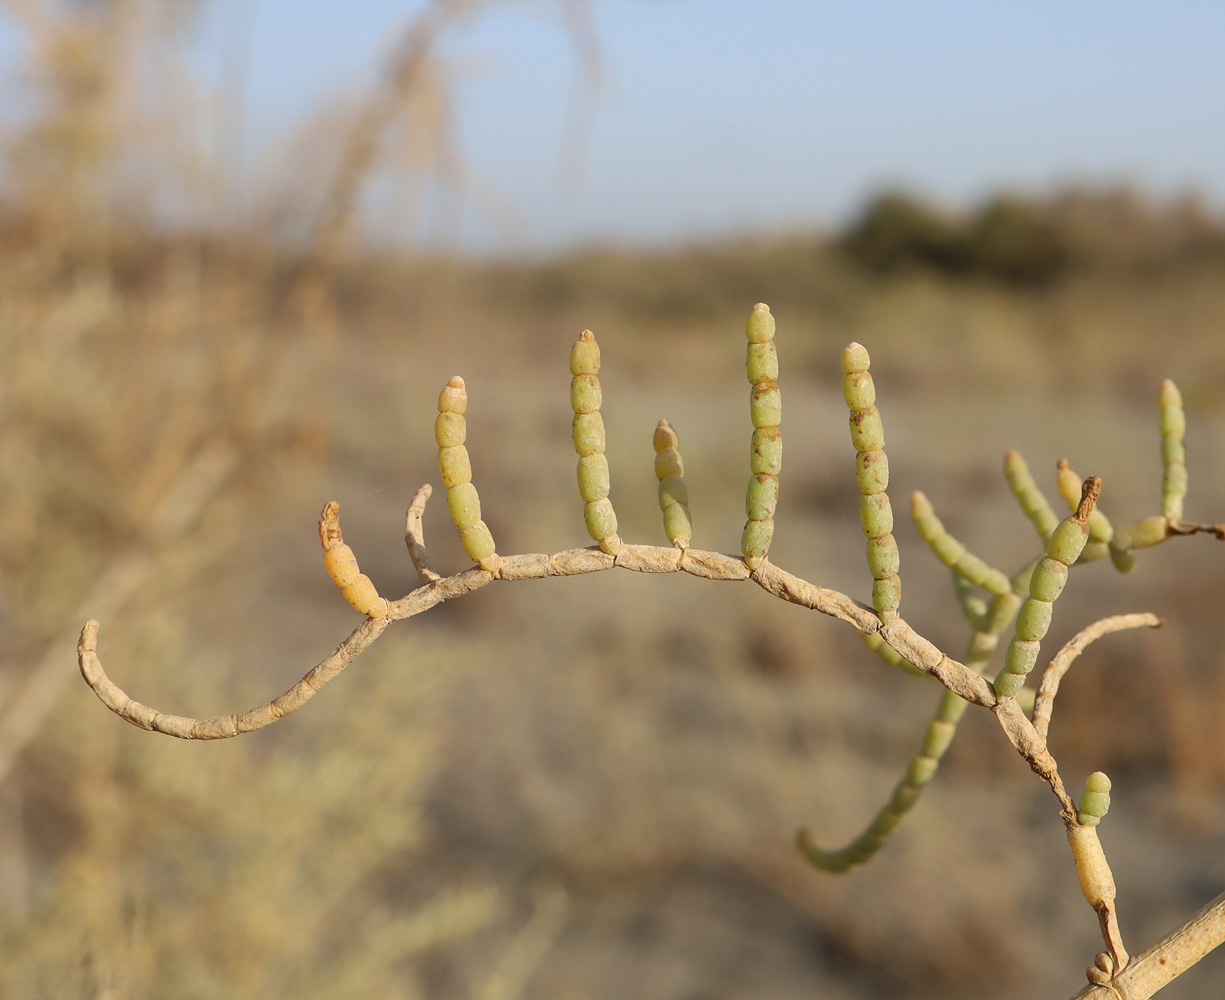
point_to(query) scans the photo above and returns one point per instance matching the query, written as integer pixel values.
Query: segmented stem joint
(766, 454)
(586, 396)
(455, 467)
(872, 474)
(1063, 547)
(673, 493)
(341, 565)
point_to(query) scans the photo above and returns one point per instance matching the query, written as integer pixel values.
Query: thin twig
(414, 536)
(1176, 528)
(1044, 703)
(222, 726)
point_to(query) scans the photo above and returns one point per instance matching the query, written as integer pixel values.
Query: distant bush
(1034, 241)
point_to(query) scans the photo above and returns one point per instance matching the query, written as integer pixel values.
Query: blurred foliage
(1036, 240)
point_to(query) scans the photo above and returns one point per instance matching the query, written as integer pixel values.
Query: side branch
(222, 726)
(414, 536)
(957, 677)
(1044, 703)
(1030, 745)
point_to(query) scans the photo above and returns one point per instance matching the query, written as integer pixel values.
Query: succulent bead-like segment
(673, 493)
(953, 553)
(1032, 502)
(919, 772)
(1096, 880)
(341, 565)
(1095, 803)
(922, 767)
(1046, 582)
(1173, 452)
(1142, 534)
(872, 475)
(455, 467)
(586, 396)
(766, 452)
(1100, 529)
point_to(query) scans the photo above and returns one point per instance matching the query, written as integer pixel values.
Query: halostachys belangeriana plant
(989, 600)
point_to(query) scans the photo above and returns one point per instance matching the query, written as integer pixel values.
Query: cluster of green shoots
(994, 603)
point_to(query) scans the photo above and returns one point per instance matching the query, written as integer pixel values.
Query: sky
(715, 117)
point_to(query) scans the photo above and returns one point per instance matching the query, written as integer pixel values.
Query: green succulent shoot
(1100, 529)
(1046, 582)
(673, 493)
(455, 467)
(872, 475)
(1173, 451)
(766, 452)
(586, 397)
(1026, 491)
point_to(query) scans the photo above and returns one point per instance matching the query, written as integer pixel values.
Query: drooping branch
(222, 726)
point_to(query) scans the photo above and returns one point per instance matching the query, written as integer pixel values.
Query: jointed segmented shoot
(766, 453)
(593, 480)
(455, 468)
(673, 493)
(991, 601)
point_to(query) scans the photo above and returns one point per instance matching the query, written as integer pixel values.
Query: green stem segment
(924, 764)
(673, 493)
(953, 553)
(872, 474)
(1100, 528)
(586, 397)
(1032, 502)
(1046, 583)
(1156, 529)
(973, 606)
(766, 455)
(1173, 452)
(450, 431)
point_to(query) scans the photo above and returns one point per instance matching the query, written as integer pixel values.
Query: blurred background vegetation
(569, 790)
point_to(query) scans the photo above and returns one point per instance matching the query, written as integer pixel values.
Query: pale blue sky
(721, 116)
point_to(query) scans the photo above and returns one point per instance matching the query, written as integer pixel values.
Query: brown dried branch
(1176, 528)
(222, 726)
(1044, 703)
(533, 566)
(414, 536)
